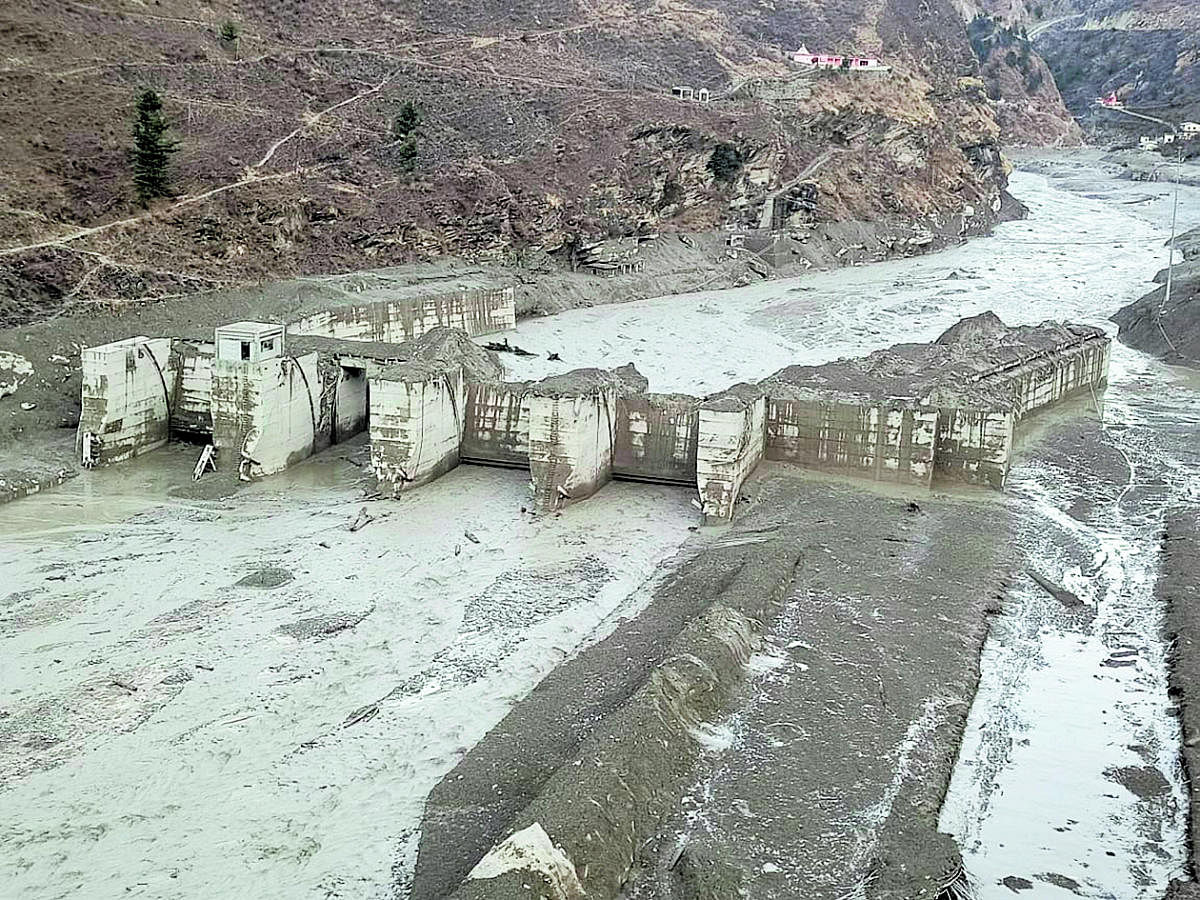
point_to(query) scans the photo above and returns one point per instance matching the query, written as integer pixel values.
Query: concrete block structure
(474, 311)
(730, 441)
(570, 441)
(126, 399)
(266, 407)
(416, 423)
(913, 415)
(264, 403)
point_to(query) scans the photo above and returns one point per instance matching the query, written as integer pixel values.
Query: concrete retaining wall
(655, 437)
(416, 424)
(570, 446)
(265, 413)
(882, 442)
(1050, 380)
(126, 397)
(476, 311)
(496, 423)
(974, 446)
(730, 441)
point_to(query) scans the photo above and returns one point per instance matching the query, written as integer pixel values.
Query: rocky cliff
(545, 123)
(1148, 51)
(1029, 107)
(1169, 327)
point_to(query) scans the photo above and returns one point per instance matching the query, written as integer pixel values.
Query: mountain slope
(1148, 51)
(544, 122)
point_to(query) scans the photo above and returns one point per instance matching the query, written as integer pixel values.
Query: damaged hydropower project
(268, 395)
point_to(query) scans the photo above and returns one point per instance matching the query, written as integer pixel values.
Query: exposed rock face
(1029, 107)
(1148, 51)
(1169, 329)
(546, 125)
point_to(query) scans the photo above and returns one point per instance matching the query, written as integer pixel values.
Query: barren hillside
(1148, 51)
(545, 122)
(1029, 107)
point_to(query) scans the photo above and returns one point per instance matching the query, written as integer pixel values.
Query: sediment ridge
(588, 786)
(1179, 590)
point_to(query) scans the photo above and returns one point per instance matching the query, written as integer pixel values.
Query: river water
(1068, 782)
(231, 769)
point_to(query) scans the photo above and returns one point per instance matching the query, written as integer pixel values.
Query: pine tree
(152, 149)
(407, 121)
(405, 128)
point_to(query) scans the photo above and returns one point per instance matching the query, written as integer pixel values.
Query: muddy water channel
(1068, 782)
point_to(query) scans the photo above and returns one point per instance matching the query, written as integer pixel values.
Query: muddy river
(243, 697)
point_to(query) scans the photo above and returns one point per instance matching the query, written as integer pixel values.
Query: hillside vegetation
(542, 123)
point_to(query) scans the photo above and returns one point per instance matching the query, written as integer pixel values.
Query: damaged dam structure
(915, 415)
(271, 405)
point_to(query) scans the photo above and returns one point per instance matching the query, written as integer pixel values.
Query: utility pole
(1174, 213)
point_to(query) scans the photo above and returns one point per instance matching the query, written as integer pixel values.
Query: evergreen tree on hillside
(152, 149)
(405, 129)
(407, 121)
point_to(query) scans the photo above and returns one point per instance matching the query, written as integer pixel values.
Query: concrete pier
(264, 403)
(416, 424)
(570, 441)
(126, 399)
(731, 439)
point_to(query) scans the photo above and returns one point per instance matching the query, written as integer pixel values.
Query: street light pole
(1174, 222)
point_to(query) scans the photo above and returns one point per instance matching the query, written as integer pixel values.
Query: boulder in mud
(14, 370)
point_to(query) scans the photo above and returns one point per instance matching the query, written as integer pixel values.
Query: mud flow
(232, 693)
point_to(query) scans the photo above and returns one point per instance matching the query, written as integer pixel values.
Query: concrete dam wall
(475, 311)
(913, 415)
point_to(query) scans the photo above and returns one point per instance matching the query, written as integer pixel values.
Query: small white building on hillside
(684, 92)
(809, 60)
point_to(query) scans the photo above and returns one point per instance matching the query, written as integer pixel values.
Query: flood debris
(206, 462)
(505, 347)
(319, 627)
(266, 577)
(362, 520)
(1058, 592)
(362, 714)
